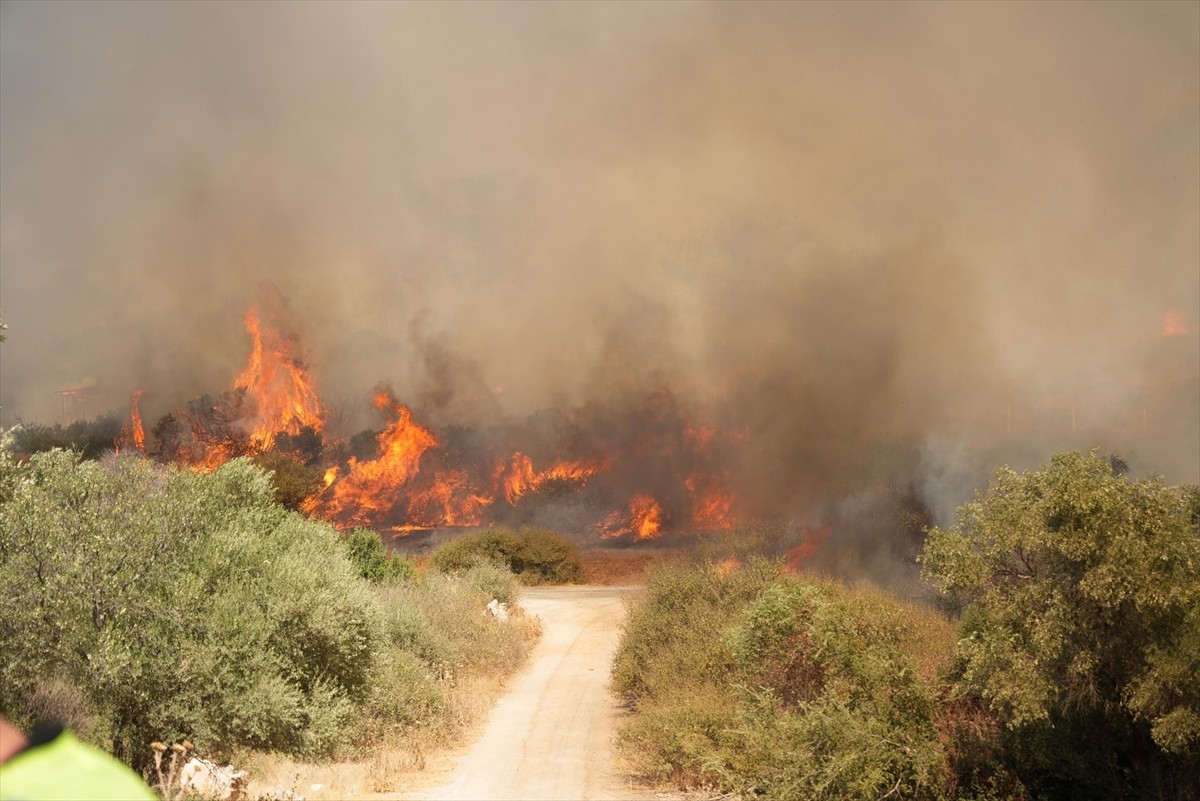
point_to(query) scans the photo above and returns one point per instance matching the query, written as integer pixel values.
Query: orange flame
(795, 558)
(371, 489)
(520, 477)
(330, 475)
(449, 502)
(647, 517)
(135, 419)
(277, 386)
(712, 505)
(728, 566)
(1173, 323)
(644, 520)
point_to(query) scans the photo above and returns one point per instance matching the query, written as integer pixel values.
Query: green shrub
(366, 551)
(777, 687)
(140, 602)
(671, 638)
(293, 480)
(1081, 625)
(91, 438)
(831, 706)
(178, 604)
(536, 557)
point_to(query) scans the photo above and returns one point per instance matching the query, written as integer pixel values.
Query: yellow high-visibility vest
(64, 769)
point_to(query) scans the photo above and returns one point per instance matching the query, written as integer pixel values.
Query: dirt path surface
(551, 736)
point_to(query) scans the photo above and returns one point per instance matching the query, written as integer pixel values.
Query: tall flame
(135, 420)
(277, 386)
(372, 488)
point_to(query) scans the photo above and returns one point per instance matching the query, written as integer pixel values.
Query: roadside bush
(142, 602)
(367, 553)
(831, 704)
(1080, 591)
(440, 618)
(536, 557)
(670, 639)
(778, 687)
(437, 634)
(178, 604)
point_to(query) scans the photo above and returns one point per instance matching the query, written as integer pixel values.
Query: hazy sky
(843, 223)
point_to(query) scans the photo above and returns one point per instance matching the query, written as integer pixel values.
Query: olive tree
(162, 603)
(1080, 597)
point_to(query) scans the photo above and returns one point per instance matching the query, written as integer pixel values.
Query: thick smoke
(893, 243)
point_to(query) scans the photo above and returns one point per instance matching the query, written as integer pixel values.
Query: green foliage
(536, 557)
(1081, 624)
(91, 438)
(140, 602)
(367, 553)
(777, 687)
(292, 480)
(832, 705)
(179, 604)
(671, 639)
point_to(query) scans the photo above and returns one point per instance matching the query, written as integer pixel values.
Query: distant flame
(647, 517)
(795, 557)
(135, 420)
(371, 489)
(712, 505)
(520, 478)
(644, 520)
(277, 384)
(412, 483)
(449, 502)
(1173, 323)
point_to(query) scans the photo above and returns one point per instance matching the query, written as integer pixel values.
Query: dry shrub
(610, 566)
(780, 687)
(60, 699)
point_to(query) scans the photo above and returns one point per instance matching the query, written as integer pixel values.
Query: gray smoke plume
(858, 231)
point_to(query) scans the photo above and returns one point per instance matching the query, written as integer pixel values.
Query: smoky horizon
(883, 244)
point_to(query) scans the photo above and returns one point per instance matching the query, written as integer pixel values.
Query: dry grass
(610, 566)
(393, 769)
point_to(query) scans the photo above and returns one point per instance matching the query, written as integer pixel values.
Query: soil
(551, 736)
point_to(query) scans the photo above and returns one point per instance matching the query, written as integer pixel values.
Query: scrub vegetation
(1061, 665)
(143, 602)
(536, 557)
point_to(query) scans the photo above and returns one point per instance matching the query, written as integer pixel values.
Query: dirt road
(551, 736)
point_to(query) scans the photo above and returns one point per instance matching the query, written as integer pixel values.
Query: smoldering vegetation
(891, 246)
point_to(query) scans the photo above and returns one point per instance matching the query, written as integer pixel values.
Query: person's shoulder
(62, 767)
